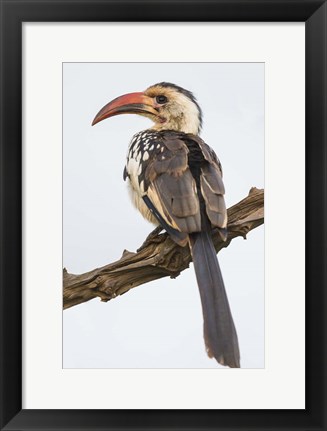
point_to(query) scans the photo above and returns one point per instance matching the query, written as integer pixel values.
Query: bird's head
(170, 108)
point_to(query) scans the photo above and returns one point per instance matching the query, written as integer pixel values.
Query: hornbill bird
(175, 180)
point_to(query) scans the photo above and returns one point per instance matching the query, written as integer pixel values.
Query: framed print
(256, 72)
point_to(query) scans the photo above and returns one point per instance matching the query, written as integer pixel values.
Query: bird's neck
(178, 125)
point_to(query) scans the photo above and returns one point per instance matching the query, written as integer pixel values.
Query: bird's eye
(161, 99)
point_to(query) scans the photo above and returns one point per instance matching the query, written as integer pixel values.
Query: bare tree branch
(158, 257)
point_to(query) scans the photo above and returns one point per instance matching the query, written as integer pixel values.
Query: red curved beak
(132, 103)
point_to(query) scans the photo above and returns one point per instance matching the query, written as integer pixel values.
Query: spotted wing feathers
(173, 190)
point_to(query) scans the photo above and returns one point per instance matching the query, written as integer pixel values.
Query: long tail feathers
(219, 331)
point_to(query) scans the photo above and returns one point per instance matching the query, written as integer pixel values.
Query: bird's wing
(172, 188)
(183, 179)
(210, 181)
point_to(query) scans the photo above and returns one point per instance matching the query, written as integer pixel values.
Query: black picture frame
(13, 14)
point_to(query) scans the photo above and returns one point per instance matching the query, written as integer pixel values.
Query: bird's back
(182, 178)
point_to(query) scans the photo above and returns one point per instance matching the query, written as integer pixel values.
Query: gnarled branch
(158, 257)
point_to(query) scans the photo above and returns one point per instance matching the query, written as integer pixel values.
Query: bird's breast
(142, 148)
(140, 151)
